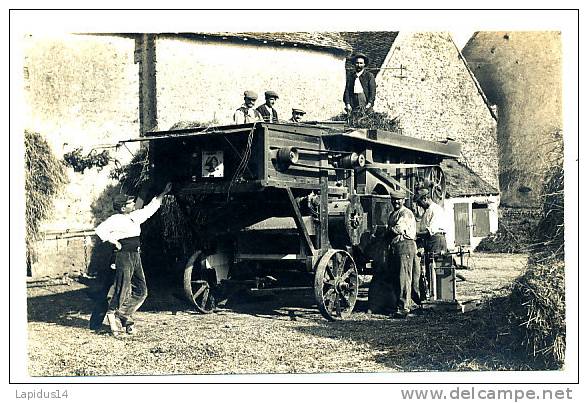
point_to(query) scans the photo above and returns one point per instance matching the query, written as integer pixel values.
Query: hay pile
(507, 239)
(133, 175)
(550, 230)
(538, 299)
(533, 316)
(45, 176)
(373, 120)
(541, 291)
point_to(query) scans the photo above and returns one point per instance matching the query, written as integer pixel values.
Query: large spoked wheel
(199, 282)
(336, 284)
(435, 181)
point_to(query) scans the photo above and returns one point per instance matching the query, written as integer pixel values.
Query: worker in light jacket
(360, 88)
(123, 230)
(247, 113)
(401, 234)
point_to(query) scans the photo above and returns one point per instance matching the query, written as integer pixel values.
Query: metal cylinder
(353, 160)
(287, 156)
(347, 222)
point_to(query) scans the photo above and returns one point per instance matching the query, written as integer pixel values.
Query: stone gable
(426, 84)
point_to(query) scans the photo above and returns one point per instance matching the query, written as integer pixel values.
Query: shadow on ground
(66, 304)
(429, 341)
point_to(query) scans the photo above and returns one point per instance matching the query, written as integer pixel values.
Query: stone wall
(434, 97)
(521, 73)
(203, 80)
(80, 91)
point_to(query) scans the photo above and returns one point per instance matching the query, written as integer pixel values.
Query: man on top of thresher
(401, 232)
(297, 114)
(360, 88)
(123, 230)
(267, 110)
(246, 113)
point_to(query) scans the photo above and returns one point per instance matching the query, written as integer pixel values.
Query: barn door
(461, 217)
(481, 218)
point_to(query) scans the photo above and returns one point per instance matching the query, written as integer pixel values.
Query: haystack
(45, 175)
(537, 302)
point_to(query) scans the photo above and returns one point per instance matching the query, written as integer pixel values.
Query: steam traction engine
(290, 206)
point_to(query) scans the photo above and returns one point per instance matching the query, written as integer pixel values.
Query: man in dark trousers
(433, 227)
(433, 223)
(105, 279)
(401, 233)
(123, 231)
(360, 88)
(267, 110)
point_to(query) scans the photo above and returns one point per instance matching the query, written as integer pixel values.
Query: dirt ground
(283, 334)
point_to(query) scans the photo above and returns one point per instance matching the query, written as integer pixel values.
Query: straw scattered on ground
(283, 334)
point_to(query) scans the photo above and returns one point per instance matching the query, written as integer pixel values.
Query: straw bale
(45, 175)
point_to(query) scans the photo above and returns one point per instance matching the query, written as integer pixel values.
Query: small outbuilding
(471, 204)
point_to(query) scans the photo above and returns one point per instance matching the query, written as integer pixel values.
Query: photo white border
(49, 23)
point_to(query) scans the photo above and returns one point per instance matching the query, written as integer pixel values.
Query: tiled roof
(321, 40)
(462, 181)
(374, 44)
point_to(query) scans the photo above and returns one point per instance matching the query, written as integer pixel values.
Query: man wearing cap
(297, 115)
(246, 113)
(401, 233)
(123, 230)
(433, 225)
(267, 110)
(360, 87)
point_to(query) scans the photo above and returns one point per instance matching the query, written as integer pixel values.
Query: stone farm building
(94, 90)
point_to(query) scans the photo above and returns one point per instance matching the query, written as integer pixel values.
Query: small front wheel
(199, 283)
(336, 284)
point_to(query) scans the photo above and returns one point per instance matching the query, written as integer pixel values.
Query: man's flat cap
(356, 56)
(121, 200)
(397, 195)
(271, 94)
(250, 94)
(420, 194)
(298, 110)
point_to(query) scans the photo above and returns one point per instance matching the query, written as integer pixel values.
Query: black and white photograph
(346, 199)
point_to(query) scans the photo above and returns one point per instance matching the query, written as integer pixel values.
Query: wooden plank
(214, 186)
(281, 224)
(266, 256)
(449, 149)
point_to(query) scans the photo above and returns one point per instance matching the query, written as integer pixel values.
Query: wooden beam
(300, 222)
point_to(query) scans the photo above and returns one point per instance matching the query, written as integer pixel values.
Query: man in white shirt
(433, 223)
(360, 88)
(123, 231)
(247, 113)
(432, 230)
